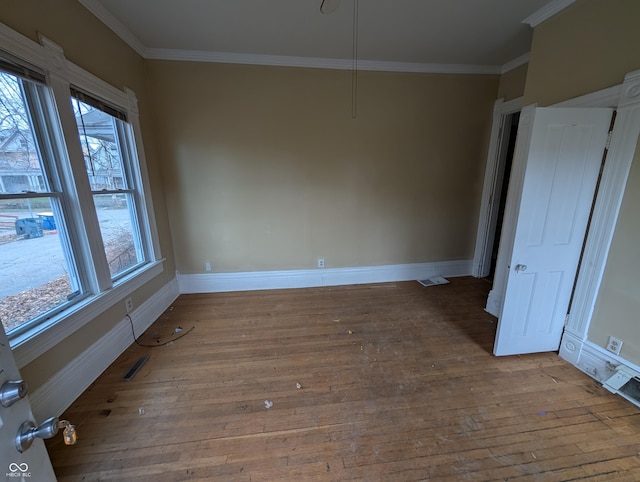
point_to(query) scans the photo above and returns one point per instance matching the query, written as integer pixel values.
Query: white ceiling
(414, 35)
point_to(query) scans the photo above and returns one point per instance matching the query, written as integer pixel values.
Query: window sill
(32, 344)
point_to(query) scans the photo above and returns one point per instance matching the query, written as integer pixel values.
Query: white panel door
(562, 165)
(32, 464)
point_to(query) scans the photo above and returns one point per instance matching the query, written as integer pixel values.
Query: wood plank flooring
(397, 382)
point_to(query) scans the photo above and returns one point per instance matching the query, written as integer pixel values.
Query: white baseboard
(58, 393)
(309, 278)
(590, 358)
(494, 303)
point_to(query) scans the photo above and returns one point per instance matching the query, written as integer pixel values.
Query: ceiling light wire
(354, 65)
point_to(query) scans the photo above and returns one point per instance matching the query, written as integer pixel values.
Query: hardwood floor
(397, 382)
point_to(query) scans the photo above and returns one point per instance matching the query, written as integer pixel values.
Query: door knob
(28, 432)
(521, 267)
(12, 391)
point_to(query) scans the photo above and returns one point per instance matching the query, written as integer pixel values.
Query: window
(38, 277)
(106, 141)
(74, 217)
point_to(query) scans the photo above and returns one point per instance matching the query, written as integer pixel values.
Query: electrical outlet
(320, 262)
(614, 345)
(128, 304)
(207, 266)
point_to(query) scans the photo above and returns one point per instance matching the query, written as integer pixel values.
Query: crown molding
(281, 60)
(317, 63)
(517, 62)
(546, 12)
(114, 24)
(379, 66)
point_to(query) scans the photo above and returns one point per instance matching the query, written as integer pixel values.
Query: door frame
(625, 98)
(493, 176)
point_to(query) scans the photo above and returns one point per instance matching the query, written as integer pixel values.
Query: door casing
(494, 172)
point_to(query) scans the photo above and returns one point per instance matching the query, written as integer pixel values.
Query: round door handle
(28, 432)
(521, 267)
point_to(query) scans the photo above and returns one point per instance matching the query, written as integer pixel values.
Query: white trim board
(546, 12)
(493, 176)
(60, 391)
(26, 349)
(517, 62)
(102, 14)
(592, 359)
(310, 278)
(319, 63)
(510, 219)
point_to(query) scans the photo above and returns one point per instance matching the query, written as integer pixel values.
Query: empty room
(319, 240)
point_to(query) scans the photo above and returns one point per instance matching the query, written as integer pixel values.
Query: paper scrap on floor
(434, 280)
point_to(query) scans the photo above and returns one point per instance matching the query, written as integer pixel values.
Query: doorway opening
(502, 185)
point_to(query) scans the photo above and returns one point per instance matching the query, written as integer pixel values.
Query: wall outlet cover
(614, 345)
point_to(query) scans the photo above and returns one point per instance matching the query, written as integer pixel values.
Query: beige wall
(589, 46)
(267, 170)
(512, 83)
(617, 310)
(91, 45)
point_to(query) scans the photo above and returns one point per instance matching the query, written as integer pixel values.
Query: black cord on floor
(160, 344)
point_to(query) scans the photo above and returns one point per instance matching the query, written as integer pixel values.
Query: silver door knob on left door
(28, 432)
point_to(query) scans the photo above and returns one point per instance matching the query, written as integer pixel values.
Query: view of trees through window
(100, 139)
(37, 263)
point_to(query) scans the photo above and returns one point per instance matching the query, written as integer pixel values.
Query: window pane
(99, 146)
(33, 266)
(20, 166)
(103, 140)
(121, 243)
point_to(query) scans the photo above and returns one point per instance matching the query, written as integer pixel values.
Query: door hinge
(566, 319)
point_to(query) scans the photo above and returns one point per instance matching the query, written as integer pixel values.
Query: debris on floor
(298, 386)
(433, 281)
(268, 404)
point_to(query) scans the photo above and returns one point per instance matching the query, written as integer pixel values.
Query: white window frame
(61, 74)
(125, 141)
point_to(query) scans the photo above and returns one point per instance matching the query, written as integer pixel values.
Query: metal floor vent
(135, 368)
(626, 383)
(433, 281)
